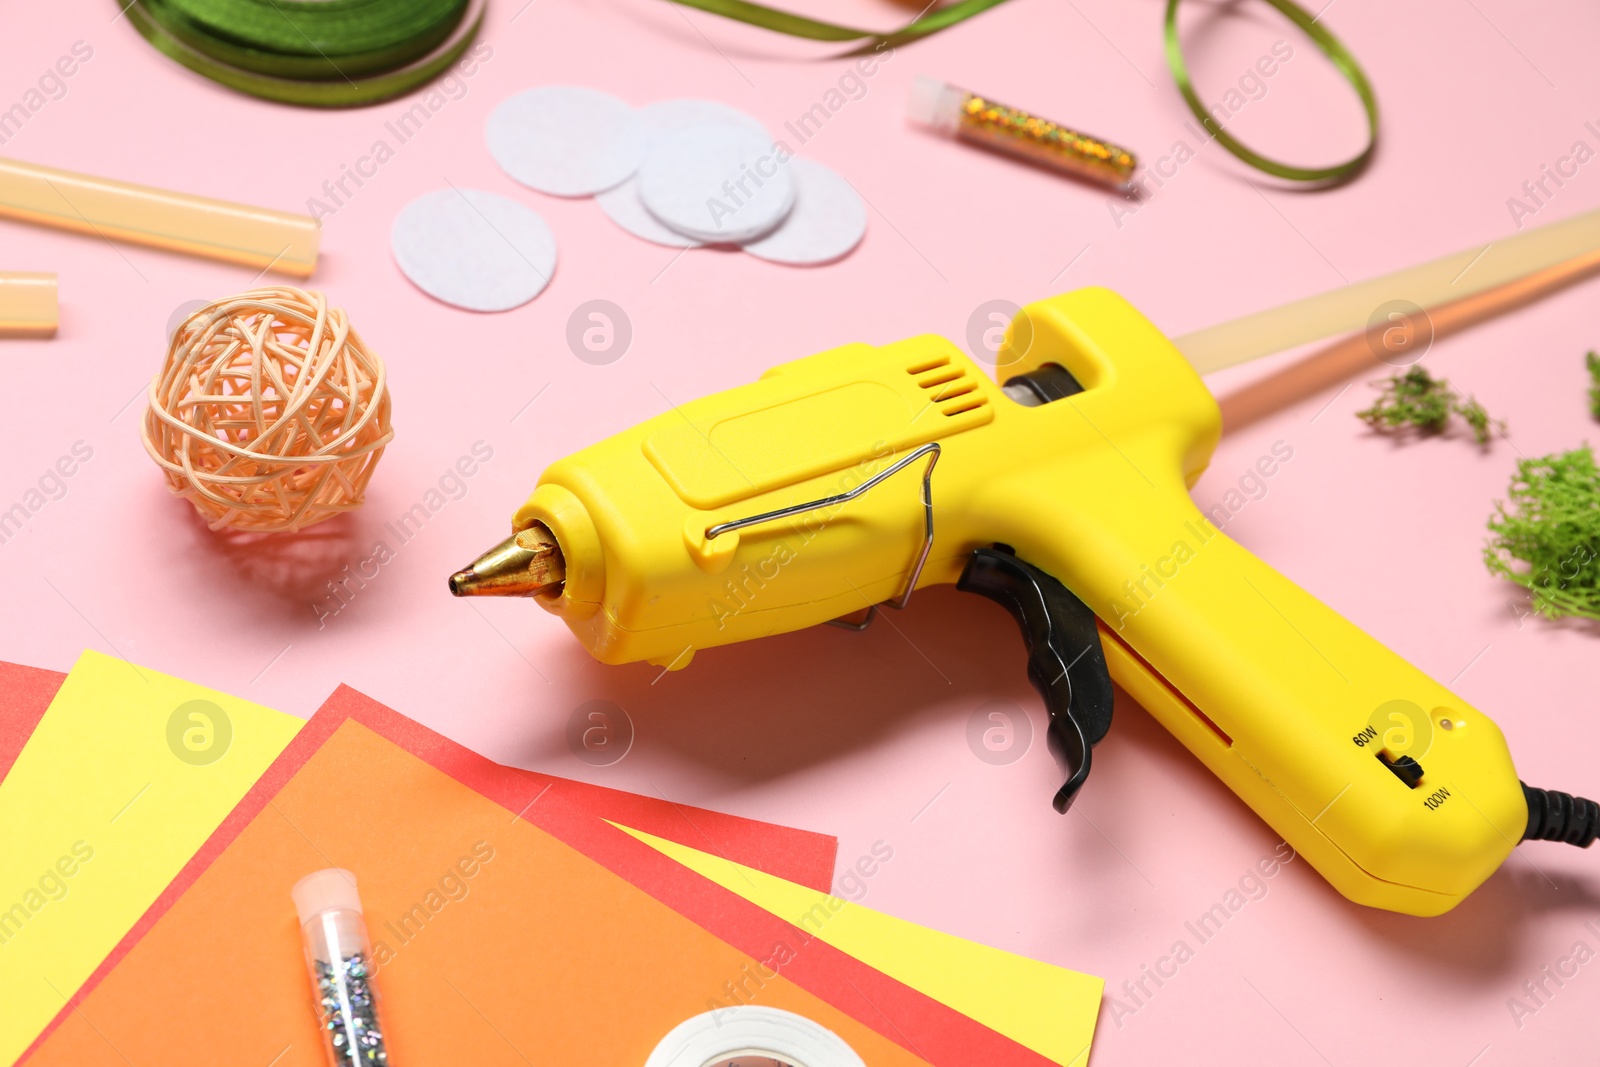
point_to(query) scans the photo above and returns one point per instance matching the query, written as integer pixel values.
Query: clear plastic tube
(339, 958)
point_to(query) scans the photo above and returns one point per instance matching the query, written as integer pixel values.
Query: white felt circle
(828, 219)
(564, 139)
(753, 1031)
(652, 124)
(717, 182)
(623, 206)
(473, 249)
(670, 116)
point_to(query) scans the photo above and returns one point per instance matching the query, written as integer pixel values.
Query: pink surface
(864, 735)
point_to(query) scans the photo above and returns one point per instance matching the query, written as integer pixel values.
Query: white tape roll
(754, 1032)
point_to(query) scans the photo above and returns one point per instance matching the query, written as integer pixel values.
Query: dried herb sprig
(1592, 361)
(1546, 536)
(1420, 401)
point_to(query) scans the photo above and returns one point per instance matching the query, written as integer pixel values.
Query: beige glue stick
(27, 304)
(235, 233)
(1350, 308)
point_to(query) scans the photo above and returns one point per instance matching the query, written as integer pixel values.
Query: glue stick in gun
(858, 475)
(340, 959)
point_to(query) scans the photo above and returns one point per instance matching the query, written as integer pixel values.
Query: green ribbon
(329, 40)
(1331, 47)
(799, 26)
(943, 18)
(316, 53)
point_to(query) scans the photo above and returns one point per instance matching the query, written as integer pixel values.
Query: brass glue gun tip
(527, 563)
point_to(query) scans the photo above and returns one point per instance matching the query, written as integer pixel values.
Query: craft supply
(332, 53)
(25, 694)
(339, 957)
(935, 18)
(566, 140)
(657, 122)
(1349, 309)
(485, 894)
(1417, 400)
(269, 412)
(124, 777)
(828, 219)
(752, 1036)
(1099, 426)
(1545, 536)
(799, 856)
(28, 304)
(476, 250)
(718, 183)
(978, 120)
(235, 233)
(1048, 1009)
(1330, 46)
(661, 120)
(623, 207)
(678, 173)
(790, 853)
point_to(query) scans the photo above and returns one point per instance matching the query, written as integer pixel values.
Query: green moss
(1417, 400)
(1592, 361)
(1546, 536)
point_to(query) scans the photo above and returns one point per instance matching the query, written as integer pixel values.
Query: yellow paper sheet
(126, 775)
(1048, 1009)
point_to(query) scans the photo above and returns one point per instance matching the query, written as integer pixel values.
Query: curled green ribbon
(1331, 47)
(799, 26)
(924, 25)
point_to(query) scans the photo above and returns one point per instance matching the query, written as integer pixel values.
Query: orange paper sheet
(541, 955)
(568, 942)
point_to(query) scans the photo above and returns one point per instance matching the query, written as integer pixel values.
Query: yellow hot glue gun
(856, 476)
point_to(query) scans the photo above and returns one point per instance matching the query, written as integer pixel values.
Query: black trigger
(1066, 662)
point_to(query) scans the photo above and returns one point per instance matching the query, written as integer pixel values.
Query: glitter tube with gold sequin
(979, 120)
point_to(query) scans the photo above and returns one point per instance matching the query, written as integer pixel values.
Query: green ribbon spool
(943, 18)
(317, 53)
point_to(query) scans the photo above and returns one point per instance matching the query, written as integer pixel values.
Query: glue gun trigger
(1066, 662)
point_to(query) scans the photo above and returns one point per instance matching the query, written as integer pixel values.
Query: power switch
(1405, 768)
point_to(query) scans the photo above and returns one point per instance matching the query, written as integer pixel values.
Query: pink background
(864, 735)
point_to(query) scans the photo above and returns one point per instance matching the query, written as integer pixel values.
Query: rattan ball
(269, 414)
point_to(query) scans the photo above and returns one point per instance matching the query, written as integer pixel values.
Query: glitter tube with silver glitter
(979, 120)
(340, 960)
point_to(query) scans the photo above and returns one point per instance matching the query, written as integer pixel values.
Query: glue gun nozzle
(527, 563)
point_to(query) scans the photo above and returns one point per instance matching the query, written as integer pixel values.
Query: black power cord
(1557, 816)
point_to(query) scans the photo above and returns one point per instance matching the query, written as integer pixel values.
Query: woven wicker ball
(270, 413)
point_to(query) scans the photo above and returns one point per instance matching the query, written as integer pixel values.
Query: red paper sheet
(25, 693)
(798, 855)
(162, 1000)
